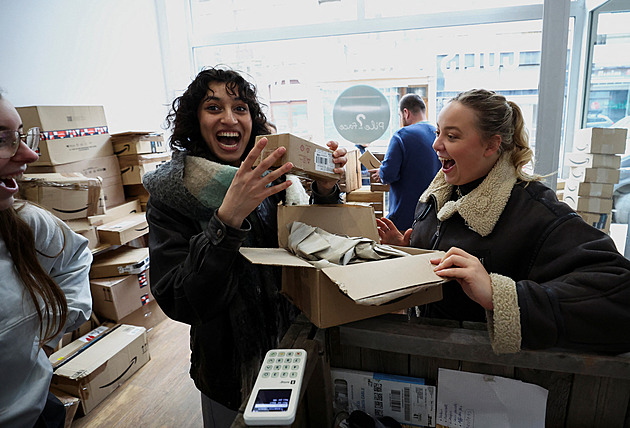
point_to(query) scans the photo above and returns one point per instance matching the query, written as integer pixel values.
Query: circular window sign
(361, 114)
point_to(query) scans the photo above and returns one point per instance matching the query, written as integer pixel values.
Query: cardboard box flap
(357, 220)
(369, 161)
(273, 257)
(141, 159)
(371, 279)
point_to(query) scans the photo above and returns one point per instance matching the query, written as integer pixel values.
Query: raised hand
(389, 233)
(468, 271)
(249, 187)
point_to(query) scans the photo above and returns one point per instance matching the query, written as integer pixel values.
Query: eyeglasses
(10, 142)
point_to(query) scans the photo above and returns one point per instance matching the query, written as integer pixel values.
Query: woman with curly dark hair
(205, 204)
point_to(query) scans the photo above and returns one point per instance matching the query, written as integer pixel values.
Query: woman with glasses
(44, 287)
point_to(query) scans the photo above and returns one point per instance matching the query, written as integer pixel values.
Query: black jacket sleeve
(191, 268)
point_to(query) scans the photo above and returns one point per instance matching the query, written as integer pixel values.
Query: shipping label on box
(405, 399)
(66, 195)
(132, 143)
(336, 295)
(121, 231)
(600, 140)
(68, 133)
(573, 189)
(103, 364)
(309, 159)
(123, 260)
(133, 167)
(594, 175)
(116, 297)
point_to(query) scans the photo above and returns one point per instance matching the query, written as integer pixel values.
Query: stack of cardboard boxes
(594, 170)
(79, 177)
(138, 153)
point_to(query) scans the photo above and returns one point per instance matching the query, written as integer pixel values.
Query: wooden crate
(375, 199)
(585, 390)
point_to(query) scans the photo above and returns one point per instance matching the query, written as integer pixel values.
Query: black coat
(198, 277)
(572, 286)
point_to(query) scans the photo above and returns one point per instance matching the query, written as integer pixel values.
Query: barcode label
(395, 401)
(407, 403)
(324, 161)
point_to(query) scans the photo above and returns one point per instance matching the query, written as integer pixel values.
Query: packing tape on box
(71, 133)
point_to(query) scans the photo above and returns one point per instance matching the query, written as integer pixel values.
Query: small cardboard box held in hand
(309, 160)
(318, 292)
(94, 368)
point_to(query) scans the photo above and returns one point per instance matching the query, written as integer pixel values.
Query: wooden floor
(160, 394)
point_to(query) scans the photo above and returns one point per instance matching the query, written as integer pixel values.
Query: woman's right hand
(249, 187)
(390, 234)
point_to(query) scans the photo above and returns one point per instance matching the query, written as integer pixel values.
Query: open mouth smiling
(447, 163)
(229, 140)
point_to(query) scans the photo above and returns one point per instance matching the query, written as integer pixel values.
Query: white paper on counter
(471, 400)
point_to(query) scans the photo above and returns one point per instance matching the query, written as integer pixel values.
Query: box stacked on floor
(594, 170)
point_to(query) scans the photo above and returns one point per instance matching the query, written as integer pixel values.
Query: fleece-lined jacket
(557, 281)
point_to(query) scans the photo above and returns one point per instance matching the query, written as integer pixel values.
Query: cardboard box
(575, 188)
(70, 403)
(592, 160)
(309, 159)
(83, 227)
(137, 191)
(116, 213)
(123, 260)
(133, 167)
(133, 143)
(116, 297)
(148, 316)
(121, 231)
(352, 177)
(594, 175)
(67, 195)
(102, 365)
(600, 140)
(369, 160)
(318, 292)
(589, 204)
(405, 399)
(107, 168)
(599, 221)
(69, 133)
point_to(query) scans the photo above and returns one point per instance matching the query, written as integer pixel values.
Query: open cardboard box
(318, 292)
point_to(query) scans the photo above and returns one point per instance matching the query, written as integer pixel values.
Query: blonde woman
(521, 260)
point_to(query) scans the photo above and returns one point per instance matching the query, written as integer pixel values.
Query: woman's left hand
(339, 158)
(468, 271)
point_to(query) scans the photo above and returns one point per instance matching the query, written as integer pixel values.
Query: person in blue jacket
(410, 162)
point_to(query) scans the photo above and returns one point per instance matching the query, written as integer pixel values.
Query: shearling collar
(482, 207)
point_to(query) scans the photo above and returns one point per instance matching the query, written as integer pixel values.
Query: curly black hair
(183, 120)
